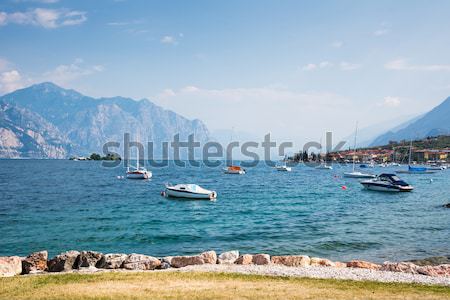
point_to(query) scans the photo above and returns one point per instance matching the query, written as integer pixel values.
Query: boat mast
(354, 147)
(410, 149)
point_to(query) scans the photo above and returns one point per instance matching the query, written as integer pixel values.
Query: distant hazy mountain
(70, 123)
(435, 122)
(366, 135)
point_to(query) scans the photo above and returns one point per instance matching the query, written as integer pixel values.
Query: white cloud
(402, 64)
(346, 66)
(309, 67)
(337, 44)
(390, 101)
(381, 32)
(168, 39)
(63, 74)
(10, 81)
(47, 18)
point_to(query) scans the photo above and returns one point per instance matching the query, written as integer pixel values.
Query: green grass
(195, 285)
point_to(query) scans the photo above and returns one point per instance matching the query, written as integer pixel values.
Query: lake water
(60, 205)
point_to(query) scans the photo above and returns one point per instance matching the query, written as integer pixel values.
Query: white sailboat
(138, 172)
(353, 173)
(283, 166)
(323, 165)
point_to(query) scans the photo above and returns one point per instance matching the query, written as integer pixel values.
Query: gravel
(319, 272)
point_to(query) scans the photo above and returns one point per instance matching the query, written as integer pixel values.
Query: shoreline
(89, 262)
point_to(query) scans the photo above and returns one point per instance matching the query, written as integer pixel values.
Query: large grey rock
(10, 266)
(35, 262)
(89, 259)
(228, 257)
(65, 261)
(141, 262)
(291, 260)
(112, 261)
(183, 261)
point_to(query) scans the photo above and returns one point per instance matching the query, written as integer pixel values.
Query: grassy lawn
(171, 285)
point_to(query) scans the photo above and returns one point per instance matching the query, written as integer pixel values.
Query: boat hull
(189, 195)
(284, 169)
(386, 188)
(358, 175)
(139, 175)
(235, 172)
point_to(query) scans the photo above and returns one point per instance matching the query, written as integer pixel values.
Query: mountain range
(433, 123)
(47, 121)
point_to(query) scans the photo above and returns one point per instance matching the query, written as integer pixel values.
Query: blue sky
(293, 68)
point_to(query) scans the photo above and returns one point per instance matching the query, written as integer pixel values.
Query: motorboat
(234, 170)
(324, 166)
(394, 164)
(138, 173)
(387, 183)
(188, 191)
(436, 167)
(357, 174)
(382, 165)
(283, 168)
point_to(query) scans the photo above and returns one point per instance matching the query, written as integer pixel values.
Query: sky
(295, 69)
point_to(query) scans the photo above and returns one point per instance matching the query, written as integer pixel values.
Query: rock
(363, 265)
(112, 261)
(183, 261)
(261, 259)
(228, 257)
(141, 262)
(10, 266)
(35, 262)
(403, 267)
(317, 261)
(246, 259)
(209, 257)
(164, 265)
(339, 264)
(441, 270)
(65, 261)
(432, 261)
(446, 205)
(291, 260)
(89, 259)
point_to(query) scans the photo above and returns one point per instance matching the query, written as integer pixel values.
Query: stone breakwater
(38, 262)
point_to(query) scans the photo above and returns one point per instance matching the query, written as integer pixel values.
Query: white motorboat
(324, 167)
(283, 168)
(387, 183)
(138, 173)
(357, 174)
(353, 173)
(436, 167)
(394, 164)
(234, 170)
(189, 191)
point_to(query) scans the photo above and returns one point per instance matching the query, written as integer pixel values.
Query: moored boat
(189, 191)
(357, 174)
(387, 183)
(234, 170)
(138, 173)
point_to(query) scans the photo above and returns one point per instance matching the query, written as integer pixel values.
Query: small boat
(324, 167)
(357, 174)
(283, 168)
(416, 170)
(353, 173)
(189, 191)
(436, 167)
(234, 170)
(382, 165)
(387, 183)
(369, 165)
(138, 173)
(394, 164)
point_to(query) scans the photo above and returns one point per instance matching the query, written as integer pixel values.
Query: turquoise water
(60, 205)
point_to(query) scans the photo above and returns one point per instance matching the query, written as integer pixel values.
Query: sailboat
(323, 165)
(137, 172)
(232, 169)
(353, 173)
(413, 169)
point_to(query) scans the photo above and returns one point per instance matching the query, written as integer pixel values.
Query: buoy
(431, 180)
(344, 187)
